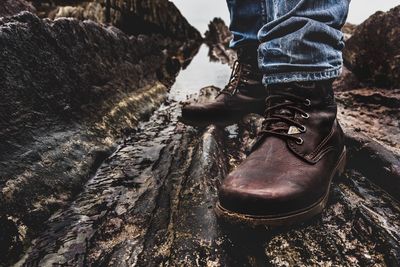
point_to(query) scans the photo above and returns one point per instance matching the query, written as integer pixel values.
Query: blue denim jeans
(298, 40)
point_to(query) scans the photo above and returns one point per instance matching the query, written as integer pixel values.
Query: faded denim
(298, 40)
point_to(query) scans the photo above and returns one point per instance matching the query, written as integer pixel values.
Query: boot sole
(287, 218)
(206, 122)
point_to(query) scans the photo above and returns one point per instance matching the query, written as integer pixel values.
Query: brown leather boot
(243, 94)
(287, 176)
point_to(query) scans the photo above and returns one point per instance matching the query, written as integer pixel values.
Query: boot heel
(342, 163)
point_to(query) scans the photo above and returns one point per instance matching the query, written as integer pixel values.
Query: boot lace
(240, 72)
(280, 116)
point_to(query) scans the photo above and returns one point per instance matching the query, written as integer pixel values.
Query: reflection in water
(200, 73)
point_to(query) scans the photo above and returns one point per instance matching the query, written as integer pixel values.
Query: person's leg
(244, 92)
(246, 19)
(302, 40)
(300, 148)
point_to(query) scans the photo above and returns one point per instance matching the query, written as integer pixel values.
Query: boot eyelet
(300, 141)
(305, 116)
(307, 102)
(303, 129)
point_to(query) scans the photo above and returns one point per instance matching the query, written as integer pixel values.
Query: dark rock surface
(151, 204)
(372, 52)
(134, 17)
(218, 33)
(141, 16)
(13, 7)
(69, 89)
(378, 163)
(131, 16)
(373, 112)
(218, 38)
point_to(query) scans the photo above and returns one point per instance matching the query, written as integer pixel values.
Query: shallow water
(200, 73)
(200, 12)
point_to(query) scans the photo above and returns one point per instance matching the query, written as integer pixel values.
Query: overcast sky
(200, 12)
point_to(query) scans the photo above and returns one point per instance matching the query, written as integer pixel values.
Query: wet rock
(10, 242)
(69, 89)
(12, 7)
(154, 207)
(131, 16)
(138, 16)
(217, 38)
(218, 33)
(69, 65)
(134, 18)
(372, 52)
(378, 163)
(373, 112)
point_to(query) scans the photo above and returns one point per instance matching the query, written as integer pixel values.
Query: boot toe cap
(198, 111)
(265, 200)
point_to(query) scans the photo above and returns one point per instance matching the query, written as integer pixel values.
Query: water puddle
(200, 73)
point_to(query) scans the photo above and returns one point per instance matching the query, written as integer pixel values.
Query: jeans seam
(263, 12)
(305, 72)
(291, 76)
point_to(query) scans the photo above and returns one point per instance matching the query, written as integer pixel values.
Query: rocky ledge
(12, 7)
(372, 52)
(151, 204)
(69, 89)
(131, 16)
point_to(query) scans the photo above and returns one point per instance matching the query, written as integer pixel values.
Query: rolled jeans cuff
(301, 76)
